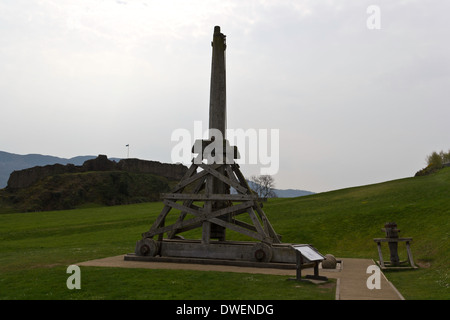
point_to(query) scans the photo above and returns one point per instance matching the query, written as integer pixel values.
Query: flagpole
(128, 150)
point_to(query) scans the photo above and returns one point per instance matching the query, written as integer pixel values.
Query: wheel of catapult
(146, 247)
(262, 252)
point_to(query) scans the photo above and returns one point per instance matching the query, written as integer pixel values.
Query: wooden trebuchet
(202, 199)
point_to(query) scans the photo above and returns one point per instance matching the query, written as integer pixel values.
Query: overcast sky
(353, 105)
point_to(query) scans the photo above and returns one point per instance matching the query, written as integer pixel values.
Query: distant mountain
(287, 193)
(291, 193)
(10, 162)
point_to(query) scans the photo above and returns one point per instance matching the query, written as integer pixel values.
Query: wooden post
(410, 258)
(217, 119)
(392, 233)
(299, 265)
(316, 269)
(380, 254)
(217, 102)
(206, 227)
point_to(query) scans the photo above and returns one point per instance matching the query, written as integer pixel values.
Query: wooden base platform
(205, 261)
(233, 253)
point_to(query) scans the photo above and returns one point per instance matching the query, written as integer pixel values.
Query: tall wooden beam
(203, 195)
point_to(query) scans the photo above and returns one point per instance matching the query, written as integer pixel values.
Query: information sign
(309, 253)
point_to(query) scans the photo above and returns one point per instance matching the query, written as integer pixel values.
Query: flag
(127, 145)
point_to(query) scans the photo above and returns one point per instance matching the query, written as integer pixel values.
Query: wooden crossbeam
(200, 214)
(209, 197)
(189, 227)
(191, 171)
(234, 227)
(256, 222)
(259, 229)
(223, 178)
(195, 211)
(240, 176)
(232, 176)
(187, 203)
(159, 220)
(267, 224)
(196, 175)
(244, 224)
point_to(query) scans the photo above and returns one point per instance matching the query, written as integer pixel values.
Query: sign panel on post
(309, 253)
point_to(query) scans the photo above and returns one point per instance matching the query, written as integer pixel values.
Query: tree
(434, 160)
(263, 185)
(445, 157)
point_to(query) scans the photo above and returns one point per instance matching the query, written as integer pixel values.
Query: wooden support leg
(316, 273)
(410, 258)
(299, 265)
(380, 254)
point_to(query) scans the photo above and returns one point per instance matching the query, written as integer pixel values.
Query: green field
(36, 248)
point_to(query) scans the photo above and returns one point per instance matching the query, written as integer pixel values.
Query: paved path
(351, 279)
(352, 282)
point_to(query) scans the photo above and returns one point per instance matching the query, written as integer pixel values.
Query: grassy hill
(344, 222)
(36, 248)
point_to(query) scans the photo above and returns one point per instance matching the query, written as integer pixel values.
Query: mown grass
(146, 284)
(36, 248)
